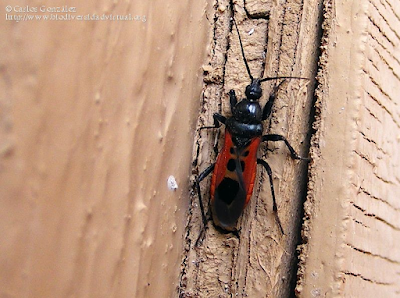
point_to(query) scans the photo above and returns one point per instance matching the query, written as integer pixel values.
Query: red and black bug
(235, 170)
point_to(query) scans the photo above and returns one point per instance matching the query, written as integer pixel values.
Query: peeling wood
(262, 261)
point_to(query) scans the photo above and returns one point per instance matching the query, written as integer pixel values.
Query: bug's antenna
(241, 47)
(277, 78)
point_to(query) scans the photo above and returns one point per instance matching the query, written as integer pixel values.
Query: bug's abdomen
(233, 181)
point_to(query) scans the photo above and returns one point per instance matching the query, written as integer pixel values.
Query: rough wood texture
(352, 227)
(279, 39)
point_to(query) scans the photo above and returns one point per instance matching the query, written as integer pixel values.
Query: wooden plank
(352, 231)
(279, 39)
(94, 117)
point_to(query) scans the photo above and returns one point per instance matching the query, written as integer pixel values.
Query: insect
(235, 169)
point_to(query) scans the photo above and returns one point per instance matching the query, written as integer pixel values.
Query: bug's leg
(200, 178)
(218, 119)
(274, 138)
(275, 208)
(268, 106)
(232, 100)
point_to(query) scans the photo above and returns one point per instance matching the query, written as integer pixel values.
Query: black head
(254, 91)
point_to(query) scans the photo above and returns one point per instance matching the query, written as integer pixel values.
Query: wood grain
(94, 117)
(352, 231)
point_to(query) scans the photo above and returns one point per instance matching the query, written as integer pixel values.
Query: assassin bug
(235, 170)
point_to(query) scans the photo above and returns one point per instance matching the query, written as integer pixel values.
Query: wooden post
(350, 221)
(279, 40)
(96, 114)
(351, 232)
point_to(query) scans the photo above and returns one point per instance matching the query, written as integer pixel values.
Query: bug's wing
(229, 201)
(250, 166)
(231, 187)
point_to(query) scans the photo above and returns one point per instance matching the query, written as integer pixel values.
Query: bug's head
(253, 91)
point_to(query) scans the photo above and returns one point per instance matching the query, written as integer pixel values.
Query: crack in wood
(388, 112)
(389, 4)
(366, 192)
(373, 254)
(367, 279)
(382, 46)
(372, 142)
(366, 158)
(372, 215)
(379, 86)
(389, 65)
(382, 16)
(374, 165)
(360, 223)
(373, 115)
(372, 21)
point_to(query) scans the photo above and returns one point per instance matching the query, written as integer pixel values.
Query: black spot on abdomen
(227, 190)
(231, 166)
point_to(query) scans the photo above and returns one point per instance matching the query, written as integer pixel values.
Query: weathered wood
(279, 39)
(352, 227)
